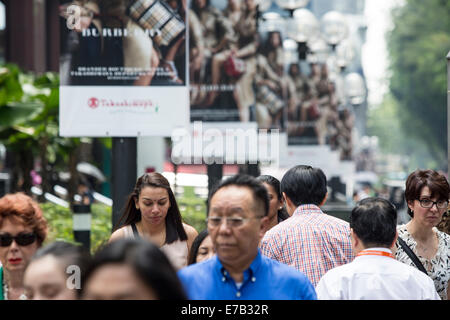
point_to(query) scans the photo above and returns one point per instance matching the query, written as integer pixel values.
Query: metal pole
(215, 174)
(124, 173)
(448, 112)
(82, 224)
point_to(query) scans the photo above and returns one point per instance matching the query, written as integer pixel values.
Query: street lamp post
(292, 5)
(355, 92)
(334, 27)
(302, 27)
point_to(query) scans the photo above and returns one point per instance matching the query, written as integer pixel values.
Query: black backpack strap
(412, 255)
(135, 231)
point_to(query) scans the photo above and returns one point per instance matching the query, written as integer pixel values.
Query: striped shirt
(310, 241)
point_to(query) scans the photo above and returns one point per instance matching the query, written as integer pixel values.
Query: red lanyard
(375, 253)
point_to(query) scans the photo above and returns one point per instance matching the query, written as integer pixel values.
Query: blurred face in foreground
(115, 281)
(45, 279)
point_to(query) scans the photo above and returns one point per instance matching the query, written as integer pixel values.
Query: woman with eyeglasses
(151, 212)
(427, 194)
(22, 231)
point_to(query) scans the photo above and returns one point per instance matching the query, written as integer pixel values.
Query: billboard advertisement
(123, 68)
(235, 66)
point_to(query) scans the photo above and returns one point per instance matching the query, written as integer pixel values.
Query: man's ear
(393, 245)
(290, 207)
(324, 199)
(354, 239)
(264, 226)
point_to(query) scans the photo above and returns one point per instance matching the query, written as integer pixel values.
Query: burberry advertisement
(123, 67)
(226, 64)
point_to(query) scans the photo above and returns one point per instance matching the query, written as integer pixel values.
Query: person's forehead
(45, 270)
(14, 223)
(154, 192)
(427, 192)
(233, 198)
(233, 193)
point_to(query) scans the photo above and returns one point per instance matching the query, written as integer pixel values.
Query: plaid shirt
(310, 241)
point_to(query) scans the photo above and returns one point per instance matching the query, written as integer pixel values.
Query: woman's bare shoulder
(190, 230)
(118, 234)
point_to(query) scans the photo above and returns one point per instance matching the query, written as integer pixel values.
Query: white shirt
(375, 277)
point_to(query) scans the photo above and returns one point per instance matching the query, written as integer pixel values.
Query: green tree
(29, 110)
(384, 122)
(17, 110)
(418, 45)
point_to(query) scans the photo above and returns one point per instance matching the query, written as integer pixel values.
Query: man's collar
(253, 268)
(307, 208)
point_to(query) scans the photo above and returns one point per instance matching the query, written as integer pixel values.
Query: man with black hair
(375, 274)
(310, 241)
(237, 220)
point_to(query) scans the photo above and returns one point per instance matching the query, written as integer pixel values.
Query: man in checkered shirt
(310, 240)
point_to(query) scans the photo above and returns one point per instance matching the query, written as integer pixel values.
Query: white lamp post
(272, 21)
(355, 88)
(263, 5)
(292, 4)
(290, 51)
(302, 27)
(319, 50)
(345, 53)
(334, 28)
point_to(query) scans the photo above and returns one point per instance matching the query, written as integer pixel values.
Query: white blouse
(176, 252)
(438, 267)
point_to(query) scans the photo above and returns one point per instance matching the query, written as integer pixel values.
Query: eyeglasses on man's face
(427, 203)
(233, 222)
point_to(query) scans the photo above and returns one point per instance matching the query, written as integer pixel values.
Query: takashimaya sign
(116, 111)
(121, 81)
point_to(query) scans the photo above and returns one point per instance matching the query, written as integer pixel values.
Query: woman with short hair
(23, 229)
(427, 194)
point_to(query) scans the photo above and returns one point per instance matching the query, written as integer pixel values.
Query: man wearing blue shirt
(237, 221)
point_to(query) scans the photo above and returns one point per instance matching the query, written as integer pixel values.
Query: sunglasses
(22, 239)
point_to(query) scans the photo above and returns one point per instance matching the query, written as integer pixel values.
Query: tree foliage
(384, 122)
(29, 110)
(418, 45)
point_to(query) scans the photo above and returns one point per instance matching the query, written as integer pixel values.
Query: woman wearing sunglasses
(427, 194)
(22, 231)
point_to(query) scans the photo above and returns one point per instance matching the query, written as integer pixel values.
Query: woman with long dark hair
(277, 211)
(151, 212)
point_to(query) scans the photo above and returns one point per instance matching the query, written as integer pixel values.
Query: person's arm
(191, 235)
(118, 234)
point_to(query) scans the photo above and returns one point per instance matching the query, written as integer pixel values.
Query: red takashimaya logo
(93, 103)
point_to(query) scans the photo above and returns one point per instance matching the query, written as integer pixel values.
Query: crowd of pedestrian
(265, 239)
